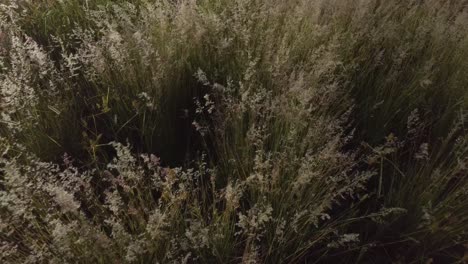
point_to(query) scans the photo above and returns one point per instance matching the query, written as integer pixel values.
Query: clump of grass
(280, 131)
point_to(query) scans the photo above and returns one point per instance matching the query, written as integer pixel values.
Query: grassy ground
(276, 131)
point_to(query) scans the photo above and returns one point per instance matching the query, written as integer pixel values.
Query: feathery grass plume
(276, 131)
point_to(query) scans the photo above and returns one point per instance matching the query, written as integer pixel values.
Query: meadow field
(234, 131)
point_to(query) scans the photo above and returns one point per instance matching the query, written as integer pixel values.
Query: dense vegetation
(233, 131)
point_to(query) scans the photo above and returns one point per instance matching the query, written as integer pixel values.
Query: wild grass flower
(276, 132)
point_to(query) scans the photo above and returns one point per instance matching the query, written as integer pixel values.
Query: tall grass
(276, 131)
